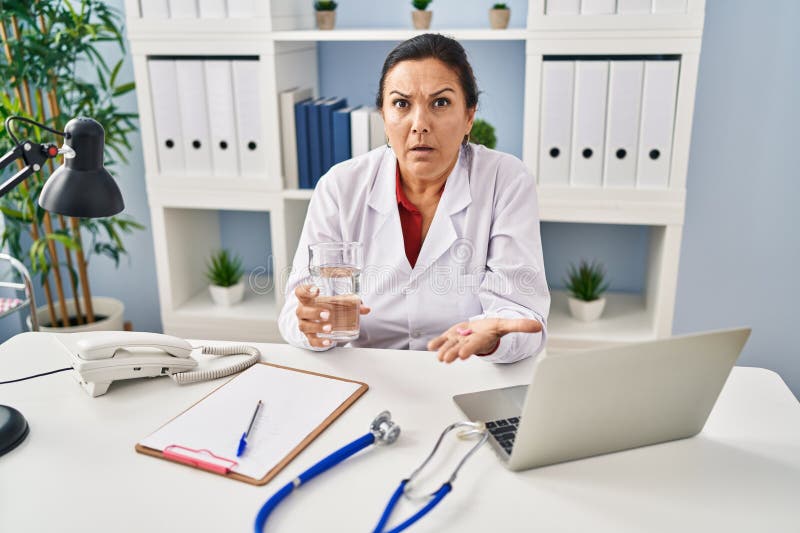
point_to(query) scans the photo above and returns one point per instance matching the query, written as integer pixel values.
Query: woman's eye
(441, 102)
(400, 103)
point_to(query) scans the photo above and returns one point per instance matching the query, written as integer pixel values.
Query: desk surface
(78, 471)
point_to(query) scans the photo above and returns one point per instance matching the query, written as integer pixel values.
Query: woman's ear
(470, 118)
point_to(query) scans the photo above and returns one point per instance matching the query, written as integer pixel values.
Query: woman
(453, 258)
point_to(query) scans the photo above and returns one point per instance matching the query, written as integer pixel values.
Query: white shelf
(253, 319)
(611, 206)
(298, 194)
(374, 34)
(625, 319)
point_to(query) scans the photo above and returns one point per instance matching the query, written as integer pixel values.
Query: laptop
(592, 402)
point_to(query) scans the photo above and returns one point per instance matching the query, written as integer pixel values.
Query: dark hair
(432, 45)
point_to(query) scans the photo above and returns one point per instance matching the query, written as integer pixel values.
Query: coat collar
(455, 198)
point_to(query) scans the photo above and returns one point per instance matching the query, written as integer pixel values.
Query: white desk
(77, 470)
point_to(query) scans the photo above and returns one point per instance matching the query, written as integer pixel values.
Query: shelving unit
(283, 40)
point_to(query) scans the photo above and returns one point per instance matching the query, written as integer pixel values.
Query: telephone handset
(100, 357)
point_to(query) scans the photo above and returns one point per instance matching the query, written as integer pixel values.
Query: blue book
(315, 139)
(301, 134)
(341, 134)
(326, 125)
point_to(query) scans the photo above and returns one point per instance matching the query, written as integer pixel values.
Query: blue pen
(243, 440)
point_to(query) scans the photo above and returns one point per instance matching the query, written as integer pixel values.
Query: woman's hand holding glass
(313, 318)
(478, 337)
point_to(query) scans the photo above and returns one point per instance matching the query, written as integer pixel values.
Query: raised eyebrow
(440, 91)
(398, 92)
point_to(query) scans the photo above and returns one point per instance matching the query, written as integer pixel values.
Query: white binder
(194, 117)
(562, 7)
(241, 8)
(588, 124)
(154, 9)
(289, 134)
(377, 134)
(359, 130)
(659, 93)
(183, 9)
(166, 119)
(248, 117)
(558, 82)
(222, 118)
(622, 123)
(598, 7)
(212, 9)
(669, 6)
(634, 7)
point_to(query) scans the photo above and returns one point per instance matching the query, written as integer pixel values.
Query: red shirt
(410, 222)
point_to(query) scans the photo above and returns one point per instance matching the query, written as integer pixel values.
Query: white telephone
(100, 357)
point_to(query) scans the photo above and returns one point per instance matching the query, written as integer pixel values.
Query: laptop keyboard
(504, 431)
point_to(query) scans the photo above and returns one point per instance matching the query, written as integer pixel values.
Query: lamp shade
(82, 187)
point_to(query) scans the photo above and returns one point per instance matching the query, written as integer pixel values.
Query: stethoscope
(382, 431)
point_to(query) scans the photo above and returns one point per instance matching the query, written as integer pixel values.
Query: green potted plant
(586, 285)
(499, 15)
(224, 271)
(483, 133)
(52, 70)
(421, 17)
(326, 14)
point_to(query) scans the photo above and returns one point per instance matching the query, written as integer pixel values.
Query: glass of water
(336, 270)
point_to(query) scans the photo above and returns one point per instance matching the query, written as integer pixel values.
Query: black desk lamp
(81, 187)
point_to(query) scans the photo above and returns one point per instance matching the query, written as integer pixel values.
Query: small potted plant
(225, 271)
(483, 133)
(326, 14)
(499, 16)
(586, 285)
(421, 16)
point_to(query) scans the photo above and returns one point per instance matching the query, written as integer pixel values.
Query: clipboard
(180, 440)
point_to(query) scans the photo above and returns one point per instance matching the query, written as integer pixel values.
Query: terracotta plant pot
(498, 18)
(586, 311)
(421, 19)
(227, 296)
(326, 20)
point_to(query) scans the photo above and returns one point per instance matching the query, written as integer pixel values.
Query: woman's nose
(421, 122)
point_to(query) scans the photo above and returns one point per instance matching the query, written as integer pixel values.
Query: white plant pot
(586, 311)
(227, 296)
(111, 308)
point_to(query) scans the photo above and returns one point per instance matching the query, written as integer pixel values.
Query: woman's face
(425, 116)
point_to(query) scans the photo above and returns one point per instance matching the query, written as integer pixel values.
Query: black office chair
(13, 304)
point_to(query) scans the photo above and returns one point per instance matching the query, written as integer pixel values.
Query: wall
(739, 251)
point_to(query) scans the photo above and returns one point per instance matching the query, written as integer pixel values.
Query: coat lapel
(442, 233)
(384, 219)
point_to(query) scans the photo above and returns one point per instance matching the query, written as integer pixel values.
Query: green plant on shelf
(422, 5)
(587, 281)
(325, 5)
(224, 269)
(500, 6)
(483, 133)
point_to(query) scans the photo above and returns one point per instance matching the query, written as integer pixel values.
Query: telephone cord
(233, 349)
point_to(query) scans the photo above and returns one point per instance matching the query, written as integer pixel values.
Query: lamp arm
(34, 155)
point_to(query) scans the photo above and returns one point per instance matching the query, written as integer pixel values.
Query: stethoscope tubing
(325, 464)
(434, 501)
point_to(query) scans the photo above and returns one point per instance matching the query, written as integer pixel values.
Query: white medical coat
(482, 256)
